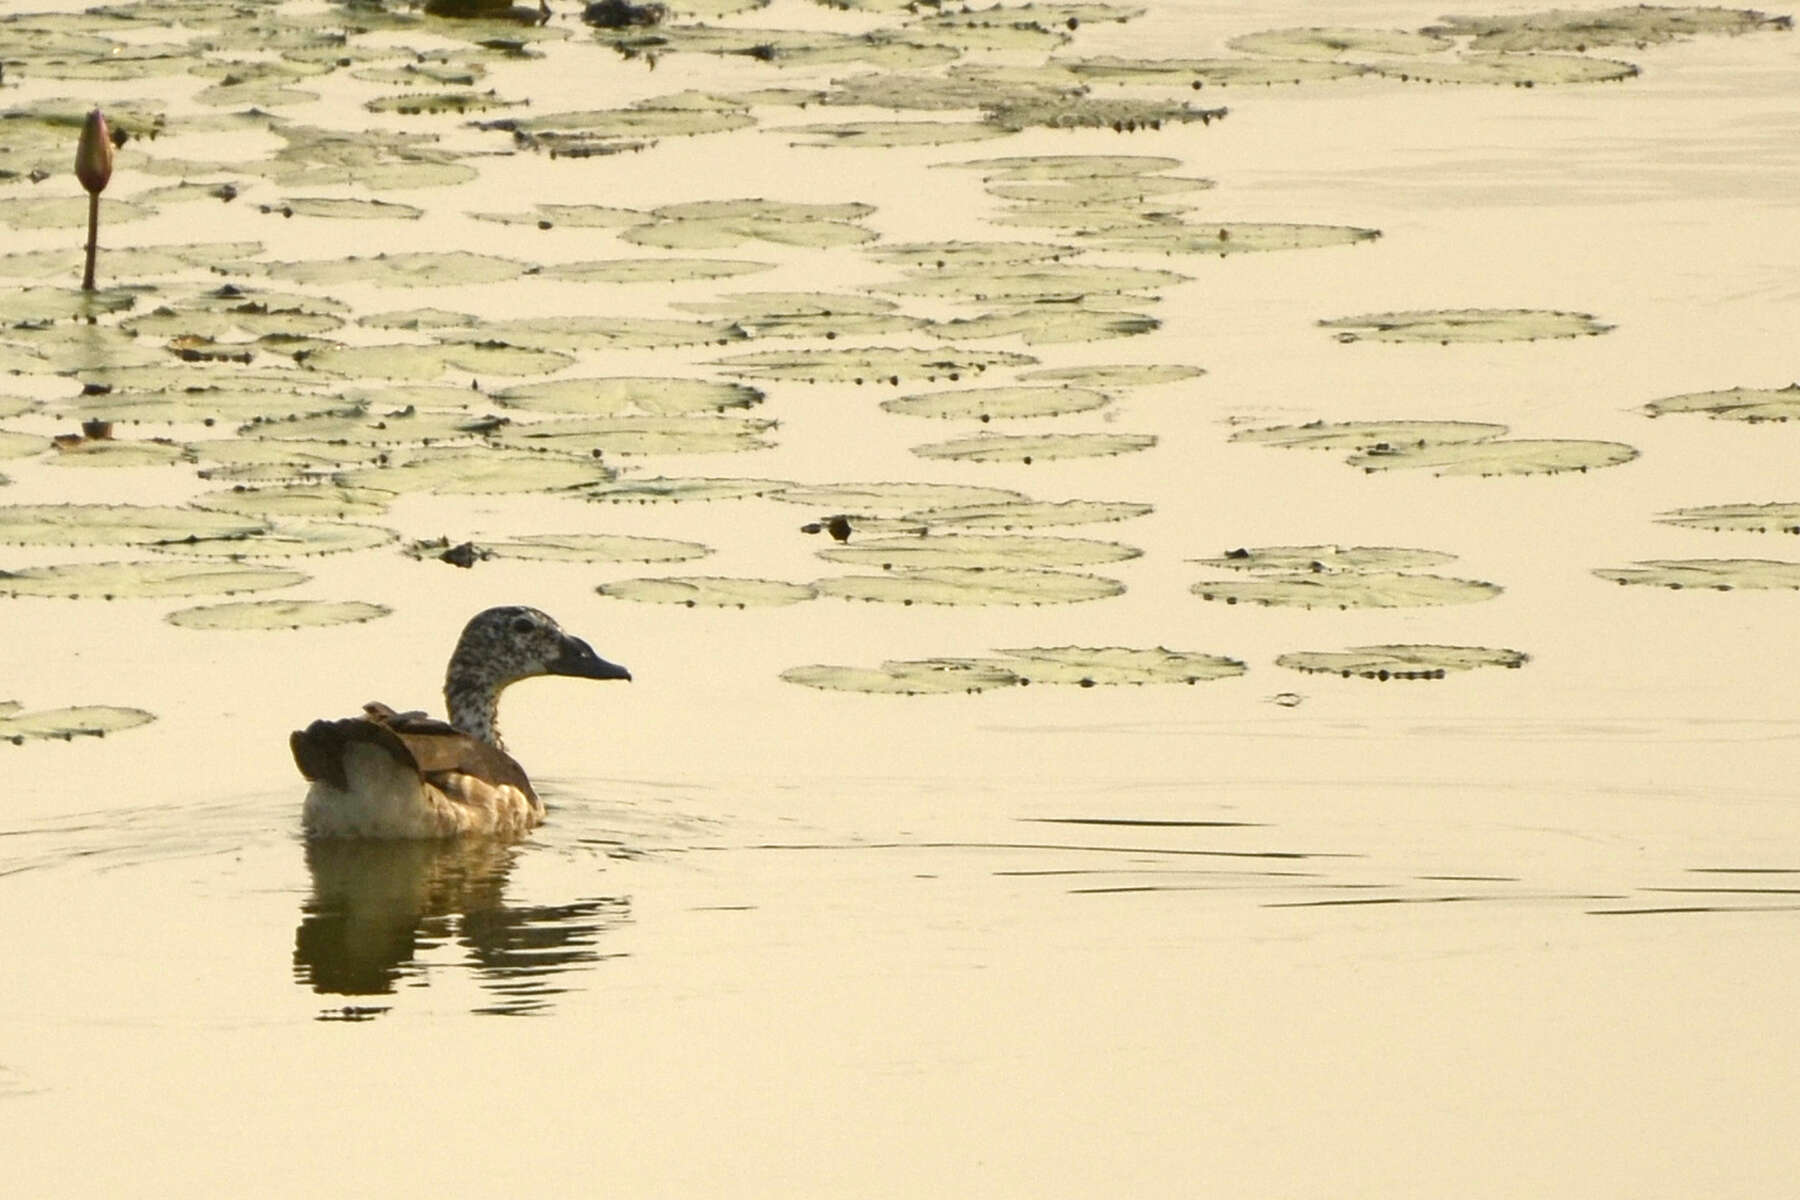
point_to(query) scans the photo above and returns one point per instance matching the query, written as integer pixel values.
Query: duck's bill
(578, 659)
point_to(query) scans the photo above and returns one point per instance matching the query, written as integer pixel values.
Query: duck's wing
(439, 749)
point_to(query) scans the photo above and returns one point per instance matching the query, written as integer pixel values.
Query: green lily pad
(1366, 436)
(1090, 112)
(722, 224)
(262, 615)
(400, 360)
(464, 100)
(1734, 404)
(404, 427)
(1028, 514)
(1085, 666)
(805, 314)
(1744, 518)
(1211, 72)
(651, 270)
(1049, 323)
(574, 216)
(979, 550)
(1113, 376)
(105, 452)
(967, 255)
(1031, 281)
(612, 333)
(64, 304)
(890, 499)
(693, 434)
(1716, 574)
(708, 591)
(1229, 237)
(1066, 166)
(1519, 70)
(1325, 559)
(299, 500)
(1028, 448)
(135, 262)
(417, 320)
(1327, 42)
(269, 460)
(573, 547)
(289, 540)
(939, 676)
(971, 585)
(997, 403)
(433, 268)
(1502, 456)
(871, 364)
(664, 489)
(88, 720)
(138, 580)
(64, 212)
(890, 134)
(344, 208)
(460, 470)
(1447, 325)
(116, 524)
(658, 396)
(1579, 29)
(21, 445)
(1400, 662)
(1370, 589)
(1127, 191)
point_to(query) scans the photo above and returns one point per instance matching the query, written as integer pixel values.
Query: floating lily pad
(63, 212)
(419, 319)
(1519, 70)
(88, 720)
(135, 580)
(63, 304)
(574, 216)
(1744, 518)
(1370, 435)
(20, 445)
(134, 262)
(1716, 574)
(261, 615)
(968, 255)
(708, 591)
(599, 132)
(1211, 72)
(1085, 666)
(1091, 112)
(1112, 376)
(979, 550)
(300, 500)
(1446, 325)
(1323, 559)
(363, 427)
(1050, 322)
(693, 434)
(1372, 589)
(1226, 238)
(116, 524)
(267, 460)
(1579, 29)
(889, 134)
(435, 268)
(1031, 281)
(1734, 404)
(938, 676)
(891, 499)
(971, 585)
(805, 314)
(1028, 514)
(105, 452)
(1337, 42)
(869, 364)
(999, 403)
(664, 489)
(1502, 456)
(1400, 662)
(411, 361)
(291, 539)
(1036, 448)
(661, 396)
(651, 270)
(458, 470)
(574, 547)
(1130, 192)
(722, 224)
(1066, 166)
(343, 208)
(465, 100)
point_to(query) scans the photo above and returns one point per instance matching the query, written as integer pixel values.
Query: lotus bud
(94, 154)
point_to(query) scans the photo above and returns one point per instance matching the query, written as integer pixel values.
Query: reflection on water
(380, 912)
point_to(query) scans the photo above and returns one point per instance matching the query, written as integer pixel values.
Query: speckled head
(501, 646)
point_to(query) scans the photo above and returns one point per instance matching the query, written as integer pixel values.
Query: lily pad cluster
(1077, 666)
(1337, 577)
(1442, 447)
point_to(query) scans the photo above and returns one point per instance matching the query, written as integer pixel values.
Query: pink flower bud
(94, 154)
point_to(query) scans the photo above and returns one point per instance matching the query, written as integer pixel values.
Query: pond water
(1501, 932)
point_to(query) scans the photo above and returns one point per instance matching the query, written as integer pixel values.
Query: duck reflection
(378, 906)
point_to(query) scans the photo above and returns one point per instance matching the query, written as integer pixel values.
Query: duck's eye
(523, 624)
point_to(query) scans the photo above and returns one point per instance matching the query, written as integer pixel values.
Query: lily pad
(105, 452)
(968, 255)
(1744, 518)
(1049, 323)
(459, 470)
(890, 134)
(574, 216)
(573, 547)
(661, 396)
(1211, 72)
(1113, 376)
(664, 489)
(1635, 25)
(1370, 435)
(998, 403)
(971, 585)
(1326, 559)
(116, 524)
(398, 360)
(363, 427)
(434, 268)
(651, 270)
(708, 591)
(299, 500)
(1024, 448)
(890, 499)
(1029, 514)
(1519, 70)
(138, 580)
(1716, 574)
(1734, 404)
(868, 364)
(1502, 456)
(979, 550)
(1085, 666)
(1032, 281)
(938, 676)
(805, 314)
(722, 224)
(1400, 661)
(344, 208)
(1227, 238)
(693, 434)
(1371, 589)
(1447, 325)
(20, 445)
(1066, 166)
(64, 304)
(261, 615)
(289, 540)
(88, 720)
(1327, 42)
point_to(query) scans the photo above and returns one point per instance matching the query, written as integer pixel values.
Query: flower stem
(93, 242)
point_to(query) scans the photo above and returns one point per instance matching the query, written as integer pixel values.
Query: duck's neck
(474, 705)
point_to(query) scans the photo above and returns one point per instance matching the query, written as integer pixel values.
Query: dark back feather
(431, 747)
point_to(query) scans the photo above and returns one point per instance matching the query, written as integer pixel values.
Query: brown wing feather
(439, 749)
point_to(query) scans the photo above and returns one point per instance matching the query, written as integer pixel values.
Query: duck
(389, 774)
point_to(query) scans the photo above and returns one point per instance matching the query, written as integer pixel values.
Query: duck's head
(501, 646)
